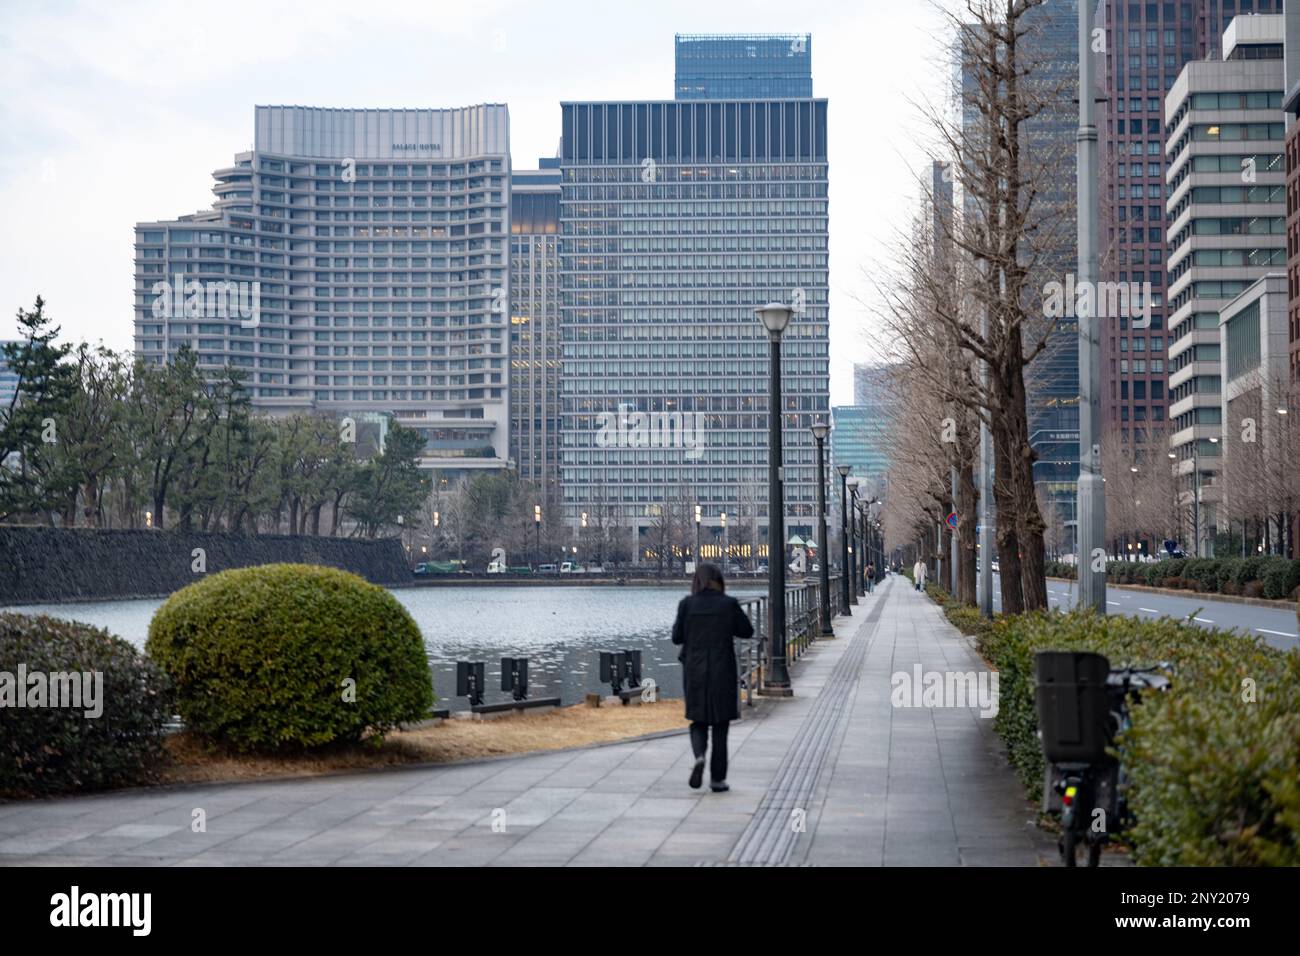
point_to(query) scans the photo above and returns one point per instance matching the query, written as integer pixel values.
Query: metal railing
(803, 620)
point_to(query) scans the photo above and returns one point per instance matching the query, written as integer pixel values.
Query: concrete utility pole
(1092, 488)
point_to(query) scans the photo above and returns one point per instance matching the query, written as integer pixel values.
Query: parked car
(734, 569)
(547, 569)
(572, 567)
(761, 569)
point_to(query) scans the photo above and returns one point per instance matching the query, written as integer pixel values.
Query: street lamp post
(775, 317)
(844, 538)
(726, 542)
(537, 534)
(697, 537)
(855, 551)
(862, 538)
(820, 430)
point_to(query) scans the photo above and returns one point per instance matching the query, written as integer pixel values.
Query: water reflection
(561, 631)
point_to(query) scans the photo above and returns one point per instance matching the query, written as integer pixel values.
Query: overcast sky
(117, 112)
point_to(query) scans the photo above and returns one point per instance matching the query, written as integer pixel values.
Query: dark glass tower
(743, 66)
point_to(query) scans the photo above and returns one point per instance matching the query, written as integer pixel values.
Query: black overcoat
(705, 625)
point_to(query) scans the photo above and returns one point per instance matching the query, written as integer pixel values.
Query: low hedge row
(965, 618)
(1259, 576)
(112, 737)
(1214, 764)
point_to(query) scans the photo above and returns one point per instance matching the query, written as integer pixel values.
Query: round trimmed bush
(105, 733)
(289, 656)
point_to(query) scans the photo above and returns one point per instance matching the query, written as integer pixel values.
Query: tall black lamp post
(820, 430)
(697, 537)
(855, 522)
(845, 571)
(775, 317)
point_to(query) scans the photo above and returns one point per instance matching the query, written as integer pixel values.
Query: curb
(1280, 605)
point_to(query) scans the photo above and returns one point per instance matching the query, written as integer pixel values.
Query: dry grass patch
(195, 760)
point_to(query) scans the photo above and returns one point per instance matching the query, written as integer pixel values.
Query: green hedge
(1215, 778)
(49, 749)
(262, 657)
(1258, 576)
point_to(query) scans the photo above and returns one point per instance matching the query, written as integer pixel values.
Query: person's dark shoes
(719, 786)
(697, 773)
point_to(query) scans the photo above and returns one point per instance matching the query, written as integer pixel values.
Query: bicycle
(1079, 720)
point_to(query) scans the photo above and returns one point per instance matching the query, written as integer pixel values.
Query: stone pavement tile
(614, 856)
(672, 808)
(606, 806)
(42, 839)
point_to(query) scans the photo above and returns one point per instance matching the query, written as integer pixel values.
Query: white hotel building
(378, 242)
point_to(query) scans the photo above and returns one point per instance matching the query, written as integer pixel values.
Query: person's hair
(708, 576)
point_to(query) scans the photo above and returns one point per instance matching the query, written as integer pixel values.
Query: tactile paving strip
(770, 836)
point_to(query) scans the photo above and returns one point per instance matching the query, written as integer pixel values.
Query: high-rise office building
(735, 66)
(535, 326)
(8, 377)
(860, 439)
(1227, 223)
(1052, 380)
(677, 220)
(1147, 46)
(1291, 108)
(354, 264)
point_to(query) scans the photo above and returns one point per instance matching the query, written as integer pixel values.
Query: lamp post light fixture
(775, 316)
(844, 539)
(819, 431)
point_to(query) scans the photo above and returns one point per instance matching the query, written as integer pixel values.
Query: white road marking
(1204, 620)
(1265, 630)
(1116, 603)
(1149, 610)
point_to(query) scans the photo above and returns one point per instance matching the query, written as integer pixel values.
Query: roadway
(1277, 626)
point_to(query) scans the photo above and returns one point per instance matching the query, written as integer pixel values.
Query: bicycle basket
(1073, 707)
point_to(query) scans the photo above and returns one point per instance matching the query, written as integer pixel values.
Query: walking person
(918, 575)
(707, 621)
(871, 577)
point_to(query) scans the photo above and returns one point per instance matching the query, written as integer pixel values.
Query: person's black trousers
(699, 744)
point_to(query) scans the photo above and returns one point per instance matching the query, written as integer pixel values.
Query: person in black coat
(707, 621)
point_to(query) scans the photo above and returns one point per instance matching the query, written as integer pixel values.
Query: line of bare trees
(965, 307)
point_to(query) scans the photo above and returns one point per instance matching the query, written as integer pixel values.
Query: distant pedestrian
(707, 621)
(918, 575)
(871, 577)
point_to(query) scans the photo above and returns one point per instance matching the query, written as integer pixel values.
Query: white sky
(114, 112)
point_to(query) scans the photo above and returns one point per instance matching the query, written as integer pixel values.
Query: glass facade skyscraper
(677, 220)
(1052, 386)
(354, 264)
(743, 66)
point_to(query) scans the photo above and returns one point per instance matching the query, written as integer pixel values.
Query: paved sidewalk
(834, 776)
